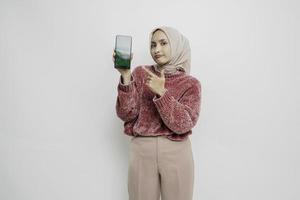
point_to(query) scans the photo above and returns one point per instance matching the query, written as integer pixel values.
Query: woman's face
(160, 48)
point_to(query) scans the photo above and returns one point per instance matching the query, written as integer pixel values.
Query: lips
(158, 56)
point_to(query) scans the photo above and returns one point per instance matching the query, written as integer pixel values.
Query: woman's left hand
(156, 83)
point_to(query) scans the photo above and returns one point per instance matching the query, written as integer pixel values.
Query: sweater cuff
(163, 101)
(126, 88)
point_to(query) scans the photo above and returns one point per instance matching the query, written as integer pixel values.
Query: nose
(157, 48)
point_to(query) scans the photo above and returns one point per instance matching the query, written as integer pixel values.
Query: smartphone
(123, 45)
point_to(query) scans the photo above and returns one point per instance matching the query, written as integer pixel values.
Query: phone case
(123, 45)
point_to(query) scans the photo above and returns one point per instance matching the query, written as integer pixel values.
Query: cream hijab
(180, 50)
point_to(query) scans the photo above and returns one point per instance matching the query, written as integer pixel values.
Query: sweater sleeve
(127, 105)
(180, 115)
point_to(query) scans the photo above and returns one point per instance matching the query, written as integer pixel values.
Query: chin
(160, 62)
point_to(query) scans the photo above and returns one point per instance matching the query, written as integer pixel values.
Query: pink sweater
(173, 114)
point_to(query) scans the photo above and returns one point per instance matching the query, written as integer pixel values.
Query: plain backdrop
(60, 137)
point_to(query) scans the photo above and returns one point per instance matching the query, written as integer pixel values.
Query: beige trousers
(160, 167)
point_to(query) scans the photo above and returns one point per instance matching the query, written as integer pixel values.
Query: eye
(163, 43)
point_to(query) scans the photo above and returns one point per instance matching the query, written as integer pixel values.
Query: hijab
(180, 50)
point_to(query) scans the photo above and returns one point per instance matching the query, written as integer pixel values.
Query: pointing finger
(162, 73)
(149, 72)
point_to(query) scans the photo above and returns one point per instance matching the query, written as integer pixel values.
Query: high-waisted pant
(160, 167)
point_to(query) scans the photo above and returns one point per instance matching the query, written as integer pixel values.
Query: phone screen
(123, 51)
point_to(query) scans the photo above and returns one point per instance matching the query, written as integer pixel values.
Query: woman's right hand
(126, 73)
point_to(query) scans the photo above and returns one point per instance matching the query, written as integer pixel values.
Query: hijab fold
(180, 51)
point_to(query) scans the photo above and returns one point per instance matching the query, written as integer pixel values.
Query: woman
(159, 105)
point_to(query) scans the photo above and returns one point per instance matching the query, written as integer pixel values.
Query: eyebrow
(161, 40)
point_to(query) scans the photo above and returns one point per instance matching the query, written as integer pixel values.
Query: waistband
(149, 136)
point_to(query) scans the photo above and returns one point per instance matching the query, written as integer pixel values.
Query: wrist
(161, 92)
(126, 79)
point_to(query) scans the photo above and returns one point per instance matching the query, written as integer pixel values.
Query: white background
(60, 137)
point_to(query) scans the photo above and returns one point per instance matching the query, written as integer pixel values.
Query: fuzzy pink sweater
(144, 113)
